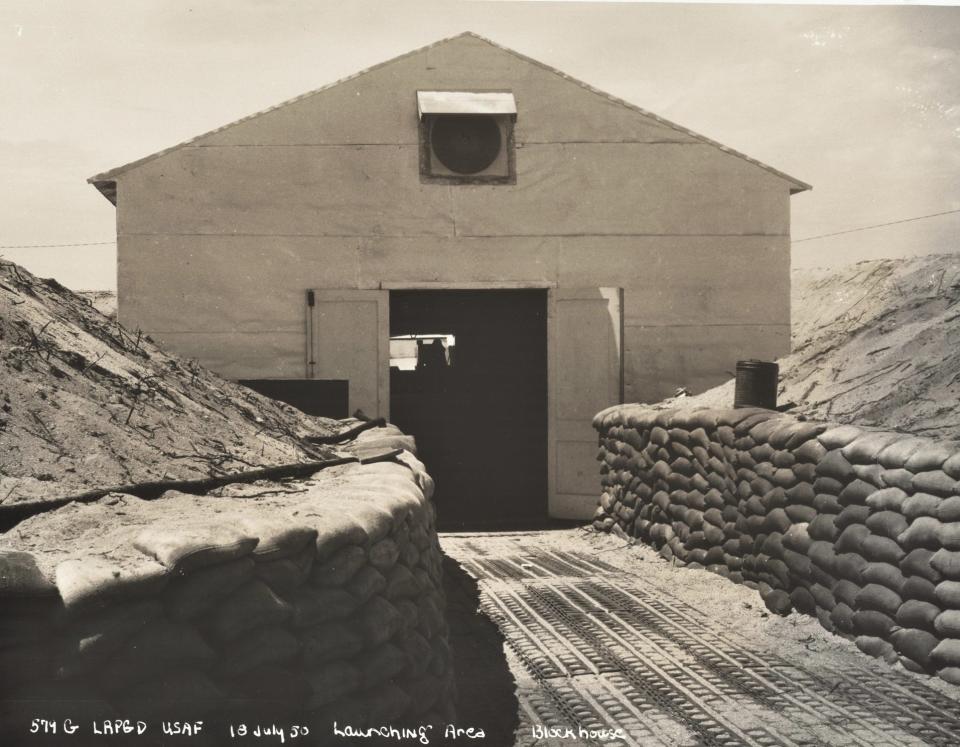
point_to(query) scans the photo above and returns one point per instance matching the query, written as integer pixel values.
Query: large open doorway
(468, 378)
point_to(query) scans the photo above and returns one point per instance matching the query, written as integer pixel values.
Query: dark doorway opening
(468, 379)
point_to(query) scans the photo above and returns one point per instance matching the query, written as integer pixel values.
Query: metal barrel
(756, 384)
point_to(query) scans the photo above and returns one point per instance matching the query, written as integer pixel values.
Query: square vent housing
(466, 137)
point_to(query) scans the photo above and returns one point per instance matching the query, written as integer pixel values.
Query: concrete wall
(293, 604)
(219, 239)
(858, 527)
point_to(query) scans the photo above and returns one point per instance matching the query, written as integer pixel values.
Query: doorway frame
(550, 287)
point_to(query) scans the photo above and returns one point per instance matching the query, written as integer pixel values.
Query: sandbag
(946, 653)
(823, 527)
(798, 538)
(918, 587)
(897, 478)
(923, 531)
(878, 598)
(379, 621)
(872, 623)
(340, 566)
(837, 438)
(418, 651)
(269, 689)
(180, 694)
(286, 574)
(888, 499)
(842, 618)
(424, 691)
(330, 682)
(867, 447)
(189, 595)
(915, 644)
(158, 647)
(915, 613)
(835, 465)
(777, 601)
(251, 606)
(365, 583)
(946, 563)
(950, 535)
(851, 539)
(386, 703)
(827, 503)
(930, 456)
(950, 674)
(383, 554)
(919, 562)
(278, 537)
(338, 531)
(856, 493)
(313, 606)
(777, 521)
(803, 601)
(886, 575)
(186, 549)
(329, 641)
(823, 554)
(800, 514)
(936, 482)
(881, 549)
(89, 641)
(823, 597)
(21, 578)
(921, 505)
(949, 509)
(850, 515)
(947, 624)
(887, 524)
(89, 583)
(381, 664)
(896, 454)
(849, 565)
(876, 647)
(260, 647)
(845, 592)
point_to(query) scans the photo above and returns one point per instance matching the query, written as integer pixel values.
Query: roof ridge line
(634, 107)
(110, 173)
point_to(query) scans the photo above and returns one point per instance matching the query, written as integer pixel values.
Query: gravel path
(603, 636)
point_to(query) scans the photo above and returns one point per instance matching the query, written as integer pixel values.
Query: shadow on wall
(486, 689)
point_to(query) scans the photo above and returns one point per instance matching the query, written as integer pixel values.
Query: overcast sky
(861, 102)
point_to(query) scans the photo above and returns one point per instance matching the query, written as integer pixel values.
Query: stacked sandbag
(860, 528)
(333, 609)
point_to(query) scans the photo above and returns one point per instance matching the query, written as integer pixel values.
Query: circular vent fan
(465, 144)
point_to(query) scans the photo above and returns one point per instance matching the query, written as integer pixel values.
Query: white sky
(861, 102)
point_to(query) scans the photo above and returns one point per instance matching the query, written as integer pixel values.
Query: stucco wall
(858, 527)
(302, 603)
(218, 240)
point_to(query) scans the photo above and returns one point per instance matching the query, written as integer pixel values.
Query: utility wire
(877, 225)
(54, 246)
(795, 241)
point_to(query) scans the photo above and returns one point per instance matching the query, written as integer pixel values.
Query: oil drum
(756, 384)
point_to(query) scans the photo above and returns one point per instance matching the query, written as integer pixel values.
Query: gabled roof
(105, 182)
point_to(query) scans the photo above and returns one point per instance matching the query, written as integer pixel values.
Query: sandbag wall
(860, 528)
(304, 602)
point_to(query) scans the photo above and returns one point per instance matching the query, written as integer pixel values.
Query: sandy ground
(603, 634)
(86, 403)
(876, 343)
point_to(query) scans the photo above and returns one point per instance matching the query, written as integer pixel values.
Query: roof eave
(106, 187)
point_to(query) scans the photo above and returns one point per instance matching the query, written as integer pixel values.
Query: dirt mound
(876, 343)
(85, 403)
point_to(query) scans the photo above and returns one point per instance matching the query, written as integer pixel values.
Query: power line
(877, 225)
(54, 246)
(795, 241)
